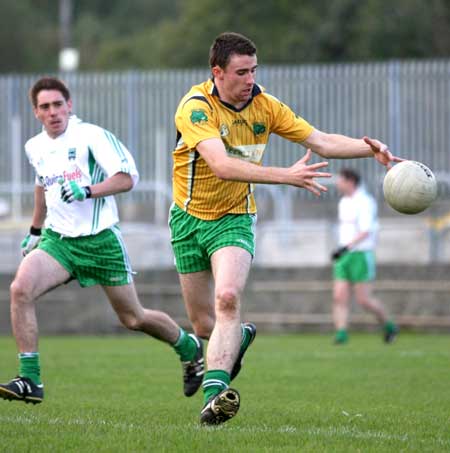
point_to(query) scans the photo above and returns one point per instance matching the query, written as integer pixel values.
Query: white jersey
(86, 154)
(357, 214)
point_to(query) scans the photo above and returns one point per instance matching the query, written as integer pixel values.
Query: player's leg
(103, 259)
(198, 295)
(193, 266)
(37, 274)
(364, 272)
(134, 316)
(364, 297)
(230, 266)
(341, 298)
(161, 326)
(197, 289)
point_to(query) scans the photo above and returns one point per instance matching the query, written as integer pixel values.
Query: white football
(410, 187)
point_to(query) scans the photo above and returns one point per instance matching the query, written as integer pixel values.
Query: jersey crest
(72, 153)
(199, 116)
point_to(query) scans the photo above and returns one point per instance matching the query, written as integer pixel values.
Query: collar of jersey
(255, 91)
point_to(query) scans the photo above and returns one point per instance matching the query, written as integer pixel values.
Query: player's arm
(117, 183)
(345, 248)
(342, 147)
(40, 207)
(32, 239)
(366, 220)
(229, 168)
(358, 238)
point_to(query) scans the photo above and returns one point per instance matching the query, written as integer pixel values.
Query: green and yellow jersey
(201, 115)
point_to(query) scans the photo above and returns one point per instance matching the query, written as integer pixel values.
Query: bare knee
(340, 300)
(227, 301)
(364, 302)
(19, 292)
(203, 326)
(131, 321)
(341, 294)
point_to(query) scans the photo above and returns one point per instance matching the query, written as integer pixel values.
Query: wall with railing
(403, 103)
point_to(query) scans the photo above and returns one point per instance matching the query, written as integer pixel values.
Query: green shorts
(355, 267)
(194, 240)
(98, 259)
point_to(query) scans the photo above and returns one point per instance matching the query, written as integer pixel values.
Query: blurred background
(359, 68)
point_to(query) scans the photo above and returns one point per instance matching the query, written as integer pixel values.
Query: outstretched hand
(381, 152)
(302, 175)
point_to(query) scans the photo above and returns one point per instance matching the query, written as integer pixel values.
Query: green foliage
(27, 40)
(403, 28)
(299, 393)
(113, 34)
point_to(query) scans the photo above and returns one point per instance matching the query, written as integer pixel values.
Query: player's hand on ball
(381, 152)
(71, 191)
(29, 243)
(339, 252)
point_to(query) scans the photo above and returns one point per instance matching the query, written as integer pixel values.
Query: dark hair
(350, 175)
(48, 83)
(225, 45)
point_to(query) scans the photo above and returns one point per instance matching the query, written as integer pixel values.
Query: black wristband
(35, 231)
(87, 189)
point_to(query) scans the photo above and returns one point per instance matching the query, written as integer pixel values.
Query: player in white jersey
(85, 154)
(354, 260)
(74, 235)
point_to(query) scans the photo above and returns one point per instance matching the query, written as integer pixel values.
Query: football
(410, 187)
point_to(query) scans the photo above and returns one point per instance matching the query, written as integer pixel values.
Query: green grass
(299, 393)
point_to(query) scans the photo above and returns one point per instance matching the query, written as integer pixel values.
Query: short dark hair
(350, 175)
(48, 83)
(229, 43)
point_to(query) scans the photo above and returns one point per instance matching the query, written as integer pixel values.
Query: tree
(28, 42)
(113, 34)
(286, 32)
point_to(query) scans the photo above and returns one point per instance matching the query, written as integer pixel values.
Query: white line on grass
(332, 431)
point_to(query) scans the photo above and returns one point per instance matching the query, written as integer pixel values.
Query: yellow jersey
(201, 115)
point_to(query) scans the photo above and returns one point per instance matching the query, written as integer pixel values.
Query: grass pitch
(299, 393)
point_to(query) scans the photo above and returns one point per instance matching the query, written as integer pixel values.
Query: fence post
(160, 173)
(394, 105)
(15, 137)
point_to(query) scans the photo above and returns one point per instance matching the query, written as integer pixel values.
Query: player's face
(345, 186)
(237, 79)
(53, 111)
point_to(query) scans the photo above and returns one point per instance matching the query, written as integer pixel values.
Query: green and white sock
(30, 367)
(185, 346)
(214, 382)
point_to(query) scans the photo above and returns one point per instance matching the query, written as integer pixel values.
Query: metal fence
(404, 103)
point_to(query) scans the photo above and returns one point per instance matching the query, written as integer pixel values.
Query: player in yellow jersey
(223, 127)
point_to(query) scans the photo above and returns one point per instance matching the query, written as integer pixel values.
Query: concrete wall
(306, 242)
(277, 299)
(289, 287)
